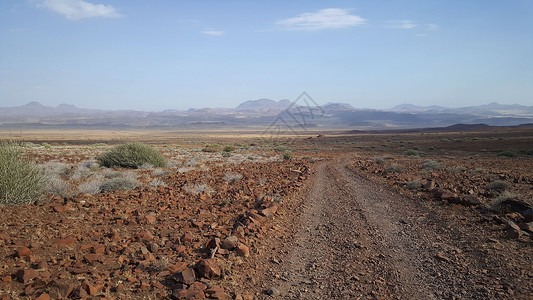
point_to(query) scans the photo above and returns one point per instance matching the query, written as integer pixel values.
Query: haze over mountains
(264, 112)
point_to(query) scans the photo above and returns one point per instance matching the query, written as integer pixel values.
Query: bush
(498, 203)
(212, 148)
(229, 149)
(508, 153)
(412, 152)
(431, 165)
(20, 180)
(498, 185)
(119, 184)
(131, 155)
(394, 168)
(287, 155)
(90, 187)
(413, 185)
(379, 160)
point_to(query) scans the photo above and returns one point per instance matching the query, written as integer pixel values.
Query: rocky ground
(348, 217)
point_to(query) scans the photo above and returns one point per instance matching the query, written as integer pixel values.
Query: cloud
(213, 32)
(329, 18)
(432, 27)
(401, 24)
(79, 9)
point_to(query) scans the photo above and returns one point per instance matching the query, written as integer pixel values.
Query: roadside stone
(188, 294)
(187, 276)
(208, 268)
(273, 292)
(23, 252)
(230, 242)
(243, 250)
(26, 275)
(216, 292)
(213, 243)
(69, 241)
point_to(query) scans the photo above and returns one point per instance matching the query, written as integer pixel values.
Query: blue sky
(154, 55)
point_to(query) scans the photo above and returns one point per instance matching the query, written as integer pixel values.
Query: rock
(198, 286)
(65, 242)
(430, 184)
(187, 276)
(230, 242)
(145, 235)
(91, 289)
(150, 219)
(23, 252)
(208, 268)
(26, 275)
(213, 243)
(243, 250)
(216, 292)
(43, 296)
(528, 214)
(469, 200)
(449, 196)
(513, 233)
(442, 257)
(527, 227)
(187, 238)
(273, 292)
(188, 294)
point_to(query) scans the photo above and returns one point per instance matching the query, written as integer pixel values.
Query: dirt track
(354, 239)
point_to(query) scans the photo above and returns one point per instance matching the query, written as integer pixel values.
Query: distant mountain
(264, 105)
(262, 113)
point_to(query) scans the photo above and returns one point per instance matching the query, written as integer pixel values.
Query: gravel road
(355, 239)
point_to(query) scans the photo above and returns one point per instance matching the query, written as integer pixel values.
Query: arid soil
(348, 217)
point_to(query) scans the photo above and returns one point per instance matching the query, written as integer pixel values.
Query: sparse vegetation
(498, 203)
(456, 170)
(413, 185)
(379, 160)
(119, 184)
(232, 177)
(131, 155)
(412, 152)
(57, 186)
(229, 149)
(212, 148)
(498, 185)
(287, 155)
(20, 181)
(508, 153)
(92, 186)
(394, 168)
(198, 188)
(431, 165)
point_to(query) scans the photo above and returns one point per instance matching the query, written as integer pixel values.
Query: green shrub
(412, 152)
(456, 170)
(509, 153)
(229, 149)
(498, 185)
(46, 145)
(432, 148)
(379, 160)
(131, 155)
(20, 181)
(287, 155)
(413, 185)
(394, 168)
(431, 165)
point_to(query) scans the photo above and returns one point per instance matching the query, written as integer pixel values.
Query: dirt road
(354, 239)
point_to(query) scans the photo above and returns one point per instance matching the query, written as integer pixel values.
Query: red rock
(79, 292)
(61, 208)
(91, 289)
(208, 268)
(6, 278)
(145, 235)
(43, 296)
(243, 250)
(229, 243)
(198, 286)
(216, 292)
(188, 294)
(100, 249)
(26, 275)
(93, 258)
(187, 276)
(213, 243)
(150, 219)
(65, 242)
(186, 238)
(23, 252)
(177, 267)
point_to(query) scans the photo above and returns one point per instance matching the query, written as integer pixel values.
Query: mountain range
(262, 113)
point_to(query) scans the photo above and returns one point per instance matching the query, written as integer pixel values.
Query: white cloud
(329, 18)
(79, 9)
(213, 32)
(431, 27)
(401, 24)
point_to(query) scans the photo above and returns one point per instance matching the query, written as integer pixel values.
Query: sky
(172, 54)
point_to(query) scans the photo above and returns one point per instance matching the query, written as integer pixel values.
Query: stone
(442, 257)
(213, 243)
(430, 184)
(69, 241)
(186, 238)
(273, 292)
(145, 235)
(216, 292)
(150, 219)
(187, 276)
(528, 214)
(513, 233)
(449, 196)
(198, 286)
(91, 289)
(26, 275)
(23, 252)
(527, 227)
(43, 296)
(188, 294)
(230, 243)
(243, 250)
(208, 268)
